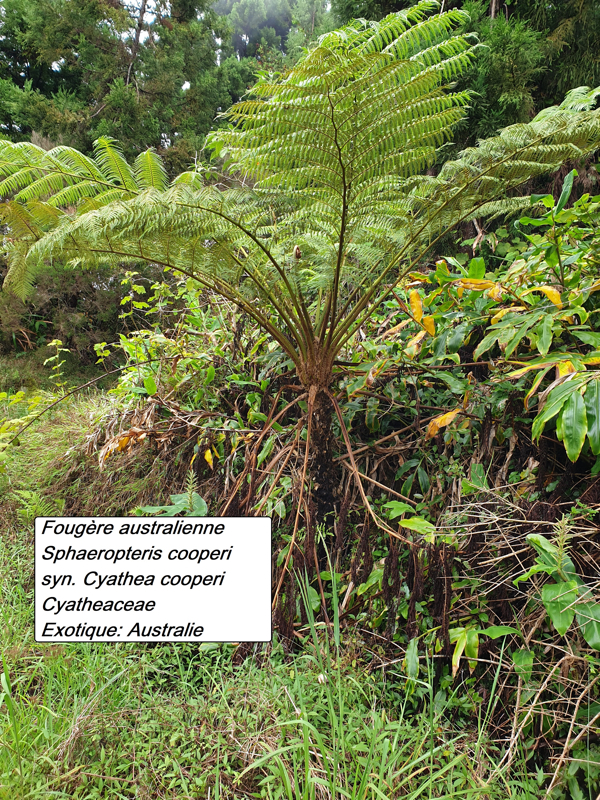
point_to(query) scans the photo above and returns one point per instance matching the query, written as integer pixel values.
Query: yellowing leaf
(503, 311)
(123, 441)
(476, 284)
(551, 293)
(429, 325)
(396, 328)
(416, 339)
(565, 368)
(496, 292)
(461, 291)
(416, 305)
(437, 423)
(208, 457)
(535, 386)
(518, 373)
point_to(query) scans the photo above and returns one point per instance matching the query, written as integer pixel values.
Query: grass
(26, 371)
(135, 721)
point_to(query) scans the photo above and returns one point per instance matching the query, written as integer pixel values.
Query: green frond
(149, 171)
(111, 161)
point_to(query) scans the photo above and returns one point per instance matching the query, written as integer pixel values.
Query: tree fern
(340, 209)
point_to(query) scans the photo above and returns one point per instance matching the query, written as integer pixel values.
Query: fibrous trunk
(316, 376)
(322, 466)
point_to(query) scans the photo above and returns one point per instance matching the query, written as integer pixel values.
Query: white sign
(152, 579)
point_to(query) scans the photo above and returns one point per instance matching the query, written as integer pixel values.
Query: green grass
(181, 721)
(26, 371)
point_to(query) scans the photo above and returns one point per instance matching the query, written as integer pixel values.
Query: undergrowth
(104, 721)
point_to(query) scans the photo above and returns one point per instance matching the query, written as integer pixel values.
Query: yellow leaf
(518, 373)
(416, 339)
(208, 457)
(122, 443)
(475, 284)
(496, 292)
(497, 317)
(461, 291)
(437, 423)
(429, 325)
(396, 328)
(416, 305)
(565, 368)
(551, 293)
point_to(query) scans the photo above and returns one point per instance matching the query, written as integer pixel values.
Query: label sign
(152, 579)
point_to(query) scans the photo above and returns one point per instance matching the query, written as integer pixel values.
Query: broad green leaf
(419, 525)
(407, 485)
(559, 600)
(472, 648)
(313, 598)
(199, 507)
(485, 344)
(542, 545)
(459, 637)
(592, 410)
(456, 337)
(544, 332)
(150, 385)
(566, 191)
(397, 508)
(588, 617)
(521, 333)
(588, 337)
(537, 568)
(373, 580)
(551, 559)
(455, 385)
(265, 450)
(554, 402)
(560, 431)
(477, 268)
(412, 658)
(546, 199)
(533, 221)
(496, 631)
(574, 424)
(523, 661)
(423, 479)
(477, 480)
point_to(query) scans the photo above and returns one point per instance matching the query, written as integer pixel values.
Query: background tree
(534, 52)
(73, 71)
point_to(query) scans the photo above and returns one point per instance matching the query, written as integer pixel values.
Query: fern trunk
(316, 375)
(324, 473)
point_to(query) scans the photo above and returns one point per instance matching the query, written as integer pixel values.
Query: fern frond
(149, 171)
(335, 149)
